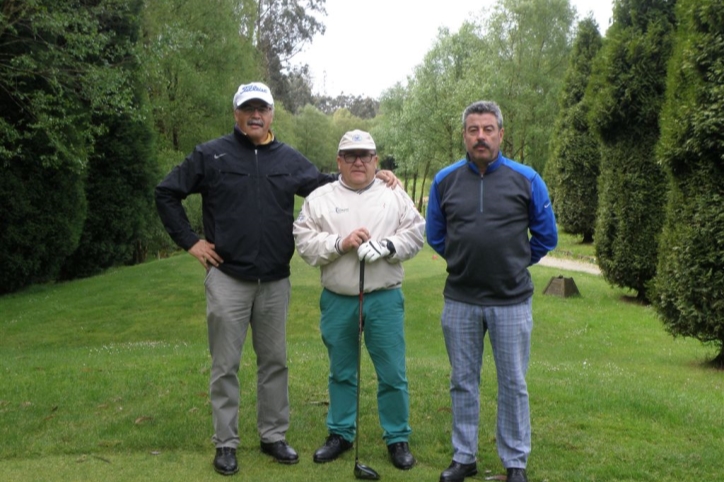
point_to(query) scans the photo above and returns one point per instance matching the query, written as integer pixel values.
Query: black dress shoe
(333, 447)
(401, 456)
(281, 451)
(457, 472)
(225, 461)
(517, 475)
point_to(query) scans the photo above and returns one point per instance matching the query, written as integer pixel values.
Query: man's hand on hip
(206, 254)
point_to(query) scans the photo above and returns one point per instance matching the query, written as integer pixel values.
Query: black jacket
(248, 194)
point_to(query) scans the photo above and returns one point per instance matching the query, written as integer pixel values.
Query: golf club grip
(361, 276)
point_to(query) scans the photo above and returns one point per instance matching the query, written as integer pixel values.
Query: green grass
(106, 379)
(572, 246)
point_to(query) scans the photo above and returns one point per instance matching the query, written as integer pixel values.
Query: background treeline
(99, 99)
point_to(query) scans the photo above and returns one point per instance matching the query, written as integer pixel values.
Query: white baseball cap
(357, 139)
(254, 90)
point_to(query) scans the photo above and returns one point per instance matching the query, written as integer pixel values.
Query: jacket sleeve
(184, 179)
(314, 245)
(542, 225)
(310, 178)
(409, 236)
(436, 223)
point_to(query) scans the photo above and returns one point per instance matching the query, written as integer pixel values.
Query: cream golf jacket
(331, 212)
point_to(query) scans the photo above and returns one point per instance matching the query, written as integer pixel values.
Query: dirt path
(569, 264)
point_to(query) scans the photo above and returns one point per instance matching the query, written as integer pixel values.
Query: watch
(390, 248)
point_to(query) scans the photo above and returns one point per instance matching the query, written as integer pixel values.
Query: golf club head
(365, 473)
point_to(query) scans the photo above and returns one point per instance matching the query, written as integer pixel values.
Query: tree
(315, 139)
(296, 90)
(432, 107)
(281, 30)
(358, 105)
(627, 91)
(688, 287)
(523, 67)
(121, 172)
(56, 79)
(572, 170)
(390, 131)
(194, 58)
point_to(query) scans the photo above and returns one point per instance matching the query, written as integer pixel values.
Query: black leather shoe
(401, 456)
(333, 447)
(457, 472)
(517, 475)
(281, 451)
(225, 461)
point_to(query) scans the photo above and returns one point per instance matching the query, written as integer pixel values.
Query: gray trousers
(509, 328)
(232, 306)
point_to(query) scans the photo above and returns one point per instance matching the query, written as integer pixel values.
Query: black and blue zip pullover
(480, 224)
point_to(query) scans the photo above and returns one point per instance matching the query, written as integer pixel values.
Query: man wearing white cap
(353, 219)
(247, 181)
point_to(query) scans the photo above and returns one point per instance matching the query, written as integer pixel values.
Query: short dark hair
(484, 107)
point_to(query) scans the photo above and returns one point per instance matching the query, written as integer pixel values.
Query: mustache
(255, 122)
(481, 144)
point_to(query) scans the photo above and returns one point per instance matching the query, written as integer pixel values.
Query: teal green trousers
(384, 337)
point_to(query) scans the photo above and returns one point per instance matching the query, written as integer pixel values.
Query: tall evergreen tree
(54, 78)
(627, 90)
(572, 169)
(121, 171)
(689, 283)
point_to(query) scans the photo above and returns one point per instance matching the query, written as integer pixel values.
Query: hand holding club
(371, 251)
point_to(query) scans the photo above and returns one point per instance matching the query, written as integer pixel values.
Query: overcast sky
(369, 45)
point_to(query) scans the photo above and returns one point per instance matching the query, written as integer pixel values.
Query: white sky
(369, 45)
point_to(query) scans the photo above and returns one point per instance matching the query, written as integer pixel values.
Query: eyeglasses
(350, 157)
(250, 109)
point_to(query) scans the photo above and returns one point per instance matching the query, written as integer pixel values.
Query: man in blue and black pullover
(480, 213)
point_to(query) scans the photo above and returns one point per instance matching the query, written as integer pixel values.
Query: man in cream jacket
(358, 218)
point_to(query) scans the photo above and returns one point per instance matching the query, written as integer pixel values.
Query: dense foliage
(515, 55)
(193, 61)
(58, 77)
(572, 169)
(121, 171)
(690, 280)
(627, 90)
(100, 98)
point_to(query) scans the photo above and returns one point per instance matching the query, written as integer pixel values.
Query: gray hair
(484, 107)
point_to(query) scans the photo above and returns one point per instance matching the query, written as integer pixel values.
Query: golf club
(361, 471)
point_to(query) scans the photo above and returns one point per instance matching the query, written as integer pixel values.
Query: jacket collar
(492, 167)
(243, 138)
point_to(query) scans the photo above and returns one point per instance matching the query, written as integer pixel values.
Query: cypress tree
(572, 169)
(688, 287)
(44, 139)
(58, 82)
(122, 169)
(627, 90)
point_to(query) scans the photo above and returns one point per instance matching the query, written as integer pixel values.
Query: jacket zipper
(481, 192)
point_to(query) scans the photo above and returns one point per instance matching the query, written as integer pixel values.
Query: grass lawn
(106, 379)
(571, 246)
